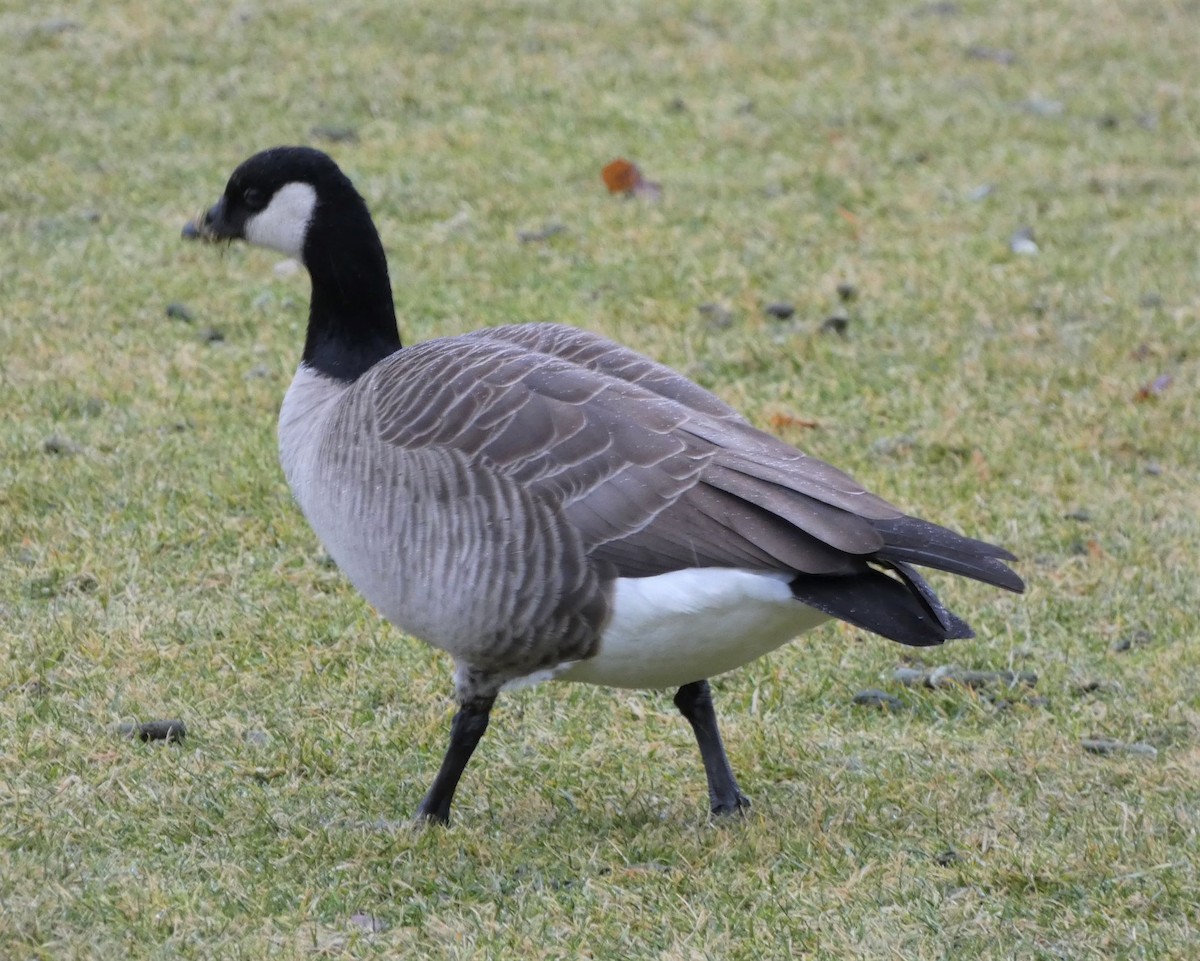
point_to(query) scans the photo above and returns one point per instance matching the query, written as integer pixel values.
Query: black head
(272, 200)
(296, 200)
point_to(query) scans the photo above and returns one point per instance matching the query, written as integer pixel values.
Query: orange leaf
(781, 420)
(621, 176)
(1154, 388)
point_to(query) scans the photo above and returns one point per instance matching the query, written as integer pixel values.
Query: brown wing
(653, 472)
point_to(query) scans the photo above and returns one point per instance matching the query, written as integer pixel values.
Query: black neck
(351, 320)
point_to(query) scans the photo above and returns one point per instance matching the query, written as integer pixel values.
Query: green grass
(155, 566)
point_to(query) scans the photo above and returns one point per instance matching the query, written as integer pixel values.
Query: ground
(1006, 195)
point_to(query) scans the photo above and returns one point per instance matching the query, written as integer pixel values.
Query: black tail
(912, 540)
(904, 607)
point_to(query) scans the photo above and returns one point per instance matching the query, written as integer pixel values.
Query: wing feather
(653, 473)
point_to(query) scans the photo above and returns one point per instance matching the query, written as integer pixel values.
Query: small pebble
(835, 325)
(1109, 746)
(937, 8)
(367, 922)
(334, 133)
(543, 233)
(178, 311)
(84, 583)
(171, 730)
(950, 674)
(719, 317)
(1129, 641)
(780, 310)
(873, 697)
(1022, 242)
(887, 446)
(1089, 686)
(1006, 58)
(909, 676)
(1042, 107)
(60, 445)
(57, 25)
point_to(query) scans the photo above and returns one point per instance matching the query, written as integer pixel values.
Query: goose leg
(695, 703)
(465, 731)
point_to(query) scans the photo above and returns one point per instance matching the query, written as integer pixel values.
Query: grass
(152, 564)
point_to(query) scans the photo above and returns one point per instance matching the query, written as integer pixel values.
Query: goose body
(543, 503)
(496, 543)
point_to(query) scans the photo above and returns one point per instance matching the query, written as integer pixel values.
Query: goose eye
(253, 198)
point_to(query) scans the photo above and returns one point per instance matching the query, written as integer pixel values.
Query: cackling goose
(540, 502)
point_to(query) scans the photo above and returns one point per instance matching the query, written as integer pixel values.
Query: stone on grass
(950, 675)
(169, 730)
(873, 697)
(1108, 746)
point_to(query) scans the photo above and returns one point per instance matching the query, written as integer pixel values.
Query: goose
(542, 503)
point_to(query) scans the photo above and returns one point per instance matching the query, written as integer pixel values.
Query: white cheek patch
(283, 223)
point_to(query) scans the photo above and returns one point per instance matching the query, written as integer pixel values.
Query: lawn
(875, 162)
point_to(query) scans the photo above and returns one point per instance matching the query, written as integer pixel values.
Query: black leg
(695, 703)
(465, 731)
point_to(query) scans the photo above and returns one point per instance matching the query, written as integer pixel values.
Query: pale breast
(450, 552)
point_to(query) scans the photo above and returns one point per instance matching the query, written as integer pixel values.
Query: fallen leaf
(1154, 388)
(780, 420)
(623, 177)
(848, 216)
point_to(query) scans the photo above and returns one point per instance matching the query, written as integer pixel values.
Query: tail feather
(910, 540)
(898, 603)
(896, 609)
